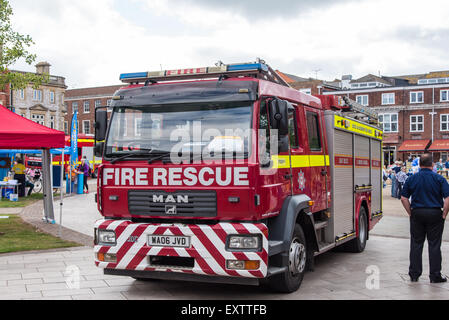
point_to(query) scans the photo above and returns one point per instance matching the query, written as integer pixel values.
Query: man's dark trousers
(426, 222)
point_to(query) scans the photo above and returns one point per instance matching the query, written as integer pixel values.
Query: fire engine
(226, 174)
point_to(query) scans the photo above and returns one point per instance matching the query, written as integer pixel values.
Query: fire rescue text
(189, 176)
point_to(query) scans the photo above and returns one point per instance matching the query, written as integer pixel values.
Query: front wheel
(291, 279)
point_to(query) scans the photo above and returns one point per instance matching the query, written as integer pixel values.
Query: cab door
(318, 161)
(274, 170)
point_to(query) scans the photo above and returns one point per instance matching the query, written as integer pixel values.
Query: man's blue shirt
(427, 189)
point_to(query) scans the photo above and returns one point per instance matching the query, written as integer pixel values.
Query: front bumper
(207, 248)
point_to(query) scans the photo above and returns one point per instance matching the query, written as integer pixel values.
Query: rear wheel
(358, 244)
(291, 279)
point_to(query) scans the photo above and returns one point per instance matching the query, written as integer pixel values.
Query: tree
(14, 46)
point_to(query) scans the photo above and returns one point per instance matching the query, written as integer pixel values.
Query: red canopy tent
(17, 132)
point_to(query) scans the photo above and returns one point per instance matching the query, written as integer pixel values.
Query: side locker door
(317, 163)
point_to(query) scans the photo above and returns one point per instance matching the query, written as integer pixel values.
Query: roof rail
(258, 69)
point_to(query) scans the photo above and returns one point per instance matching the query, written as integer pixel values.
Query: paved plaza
(380, 272)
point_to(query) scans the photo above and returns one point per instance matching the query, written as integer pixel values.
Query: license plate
(168, 241)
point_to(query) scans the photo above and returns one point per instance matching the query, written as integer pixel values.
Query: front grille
(172, 204)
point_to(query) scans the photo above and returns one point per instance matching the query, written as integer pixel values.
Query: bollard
(80, 187)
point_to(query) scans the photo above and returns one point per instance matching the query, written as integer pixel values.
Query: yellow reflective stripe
(299, 161)
(280, 162)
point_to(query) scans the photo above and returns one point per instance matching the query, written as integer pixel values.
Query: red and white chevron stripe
(207, 247)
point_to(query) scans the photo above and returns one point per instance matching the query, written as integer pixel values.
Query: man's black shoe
(438, 280)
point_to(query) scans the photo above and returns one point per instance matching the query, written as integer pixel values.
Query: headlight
(244, 243)
(106, 237)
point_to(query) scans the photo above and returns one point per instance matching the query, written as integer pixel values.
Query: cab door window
(292, 128)
(313, 128)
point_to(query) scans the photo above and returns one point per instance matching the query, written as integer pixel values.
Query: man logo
(171, 199)
(170, 209)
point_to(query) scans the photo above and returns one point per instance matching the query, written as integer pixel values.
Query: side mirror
(101, 126)
(98, 150)
(279, 116)
(279, 120)
(101, 123)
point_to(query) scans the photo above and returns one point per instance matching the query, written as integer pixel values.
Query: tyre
(37, 186)
(291, 279)
(358, 244)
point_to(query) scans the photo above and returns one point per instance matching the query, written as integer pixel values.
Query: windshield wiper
(162, 155)
(144, 152)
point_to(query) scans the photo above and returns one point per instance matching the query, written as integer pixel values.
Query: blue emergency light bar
(205, 72)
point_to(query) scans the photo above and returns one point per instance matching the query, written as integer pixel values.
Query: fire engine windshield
(205, 129)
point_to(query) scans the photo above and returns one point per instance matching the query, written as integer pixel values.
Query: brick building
(85, 100)
(413, 111)
(5, 96)
(44, 105)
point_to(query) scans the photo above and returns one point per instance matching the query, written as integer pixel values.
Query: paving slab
(337, 276)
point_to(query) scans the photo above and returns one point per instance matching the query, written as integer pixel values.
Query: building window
(21, 94)
(86, 107)
(52, 122)
(388, 98)
(66, 127)
(38, 118)
(74, 107)
(416, 97)
(52, 96)
(417, 123)
(86, 126)
(109, 102)
(363, 100)
(389, 122)
(444, 122)
(97, 103)
(444, 95)
(37, 95)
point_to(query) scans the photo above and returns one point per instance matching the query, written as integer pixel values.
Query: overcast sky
(90, 42)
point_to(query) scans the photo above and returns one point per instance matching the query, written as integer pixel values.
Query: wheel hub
(297, 257)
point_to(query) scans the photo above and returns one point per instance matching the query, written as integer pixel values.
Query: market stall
(17, 132)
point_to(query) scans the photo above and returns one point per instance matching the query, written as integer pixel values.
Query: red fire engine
(226, 174)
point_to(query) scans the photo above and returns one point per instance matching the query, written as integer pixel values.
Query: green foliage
(13, 47)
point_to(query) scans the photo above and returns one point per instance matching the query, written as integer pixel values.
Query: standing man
(427, 191)
(19, 175)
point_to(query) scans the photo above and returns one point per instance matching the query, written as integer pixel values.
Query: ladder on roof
(258, 69)
(360, 112)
